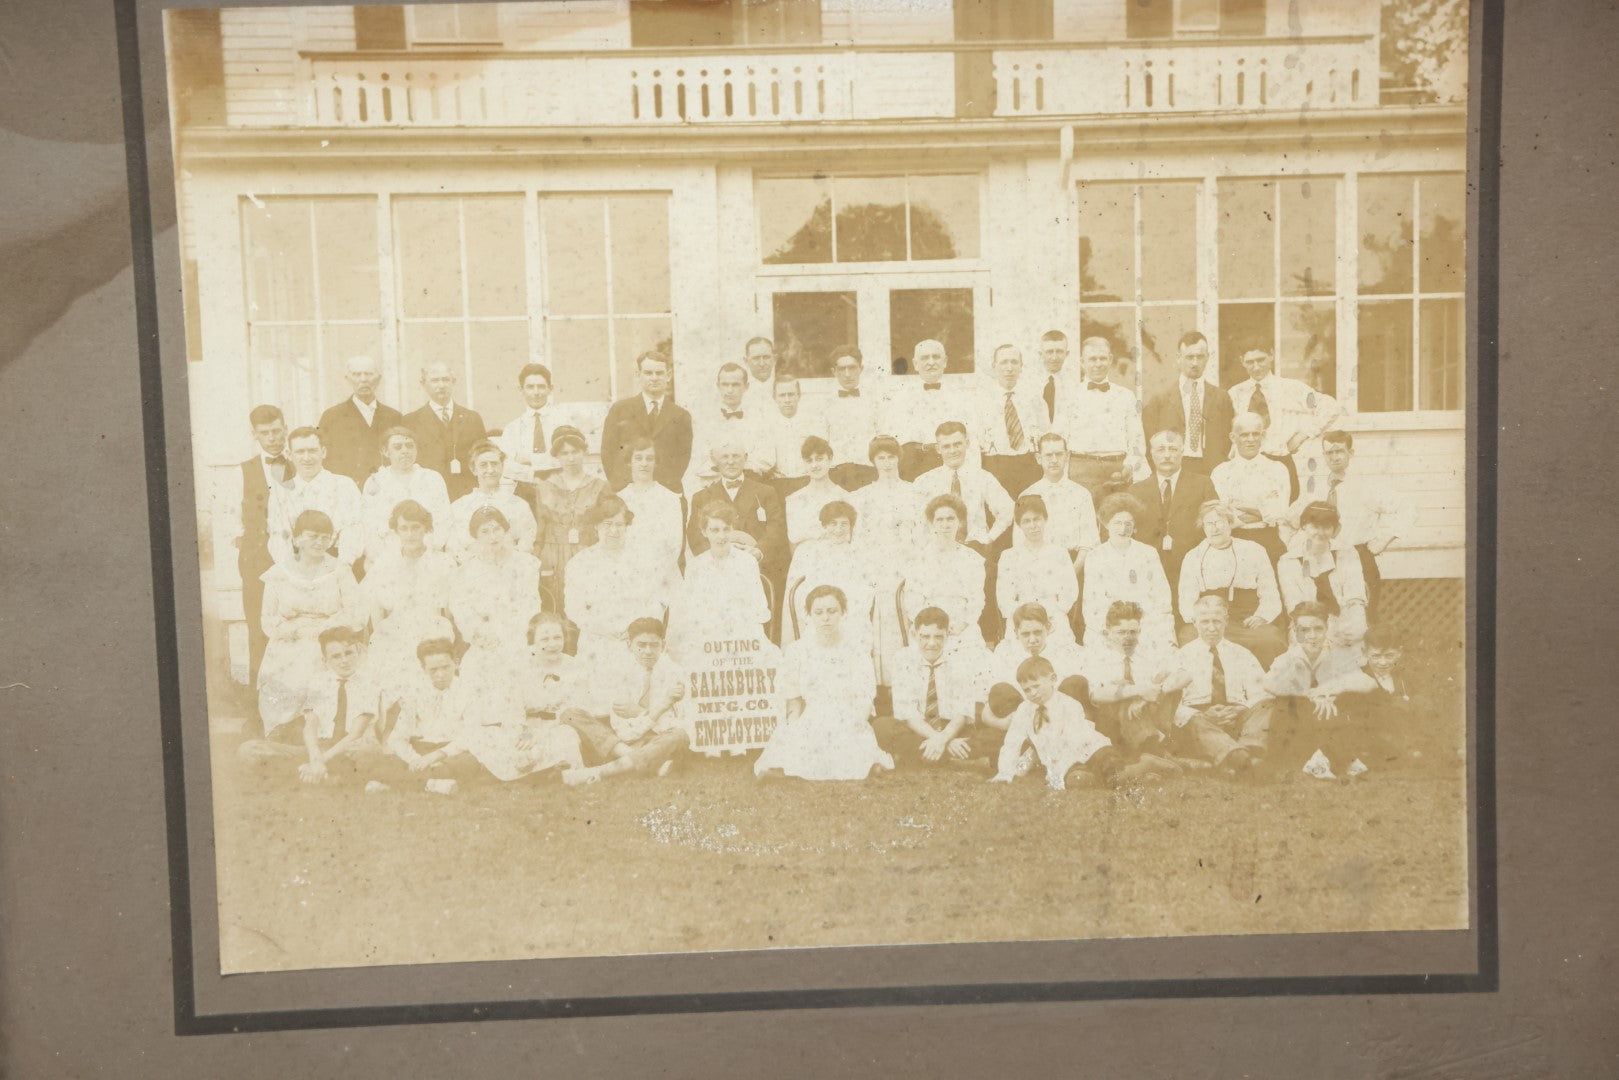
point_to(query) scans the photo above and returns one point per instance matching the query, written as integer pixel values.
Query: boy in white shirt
(333, 727)
(635, 723)
(430, 722)
(1064, 739)
(1222, 717)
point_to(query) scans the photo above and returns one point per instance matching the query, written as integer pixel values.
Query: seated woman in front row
(1037, 571)
(633, 723)
(833, 558)
(829, 685)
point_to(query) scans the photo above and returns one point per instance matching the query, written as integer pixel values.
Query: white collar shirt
(1255, 483)
(1066, 738)
(989, 426)
(989, 507)
(851, 424)
(1070, 514)
(1105, 422)
(1244, 678)
(958, 679)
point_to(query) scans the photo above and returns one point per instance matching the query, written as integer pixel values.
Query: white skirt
(827, 741)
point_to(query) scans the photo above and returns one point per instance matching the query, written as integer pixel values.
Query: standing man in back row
(351, 430)
(264, 472)
(1107, 451)
(651, 414)
(1200, 411)
(445, 432)
(1295, 412)
(759, 355)
(526, 439)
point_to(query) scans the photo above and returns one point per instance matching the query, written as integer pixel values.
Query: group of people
(1023, 572)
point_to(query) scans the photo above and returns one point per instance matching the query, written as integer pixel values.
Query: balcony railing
(828, 85)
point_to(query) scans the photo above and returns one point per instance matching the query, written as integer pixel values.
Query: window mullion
(532, 250)
(314, 279)
(466, 302)
(1416, 293)
(612, 329)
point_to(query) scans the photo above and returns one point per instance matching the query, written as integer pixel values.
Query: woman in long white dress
(828, 685)
(832, 558)
(1037, 571)
(1123, 568)
(611, 585)
(493, 596)
(408, 594)
(400, 479)
(804, 505)
(302, 597)
(657, 531)
(890, 520)
(945, 573)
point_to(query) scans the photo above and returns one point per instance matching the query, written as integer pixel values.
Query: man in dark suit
(650, 414)
(1169, 499)
(764, 518)
(445, 431)
(1201, 412)
(352, 430)
(269, 467)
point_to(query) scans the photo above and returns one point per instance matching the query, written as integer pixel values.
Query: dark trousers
(852, 477)
(250, 567)
(1014, 471)
(990, 622)
(1296, 733)
(897, 738)
(1374, 580)
(916, 459)
(1292, 475)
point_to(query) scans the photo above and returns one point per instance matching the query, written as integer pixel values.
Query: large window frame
(909, 264)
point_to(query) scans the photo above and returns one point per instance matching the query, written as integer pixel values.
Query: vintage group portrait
(678, 476)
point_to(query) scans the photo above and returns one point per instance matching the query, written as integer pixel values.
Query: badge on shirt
(1169, 545)
(455, 466)
(573, 536)
(1309, 399)
(1132, 577)
(760, 513)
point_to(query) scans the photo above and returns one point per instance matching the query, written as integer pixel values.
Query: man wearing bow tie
(267, 469)
(445, 431)
(851, 421)
(1200, 411)
(1107, 450)
(915, 406)
(730, 420)
(651, 414)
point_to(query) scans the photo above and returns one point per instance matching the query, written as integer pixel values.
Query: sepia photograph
(679, 476)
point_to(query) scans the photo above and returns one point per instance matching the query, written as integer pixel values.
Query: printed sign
(732, 702)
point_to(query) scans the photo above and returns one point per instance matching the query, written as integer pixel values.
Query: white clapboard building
(576, 181)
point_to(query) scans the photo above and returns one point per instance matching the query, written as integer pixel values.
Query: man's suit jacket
(253, 550)
(354, 449)
(1166, 411)
(671, 434)
(438, 444)
(763, 517)
(1192, 490)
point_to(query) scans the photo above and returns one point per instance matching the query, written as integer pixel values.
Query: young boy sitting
(1064, 740)
(333, 724)
(635, 725)
(1399, 725)
(429, 729)
(1318, 715)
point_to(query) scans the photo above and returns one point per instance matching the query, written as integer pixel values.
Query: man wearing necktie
(1169, 500)
(653, 414)
(851, 421)
(1107, 450)
(1198, 409)
(935, 698)
(1008, 421)
(1222, 717)
(334, 722)
(524, 439)
(267, 469)
(445, 431)
(1054, 390)
(1295, 415)
(1130, 689)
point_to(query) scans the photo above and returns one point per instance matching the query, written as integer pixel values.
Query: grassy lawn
(328, 876)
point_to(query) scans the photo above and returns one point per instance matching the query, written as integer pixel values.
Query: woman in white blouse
(721, 596)
(890, 521)
(832, 558)
(1123, 568)
(493, 595)
(400, 479)
(945, 573)
(804, 505)
(610, 585)
(1037, 571)
(1239, 571)
(408, 593)
(1319, 567)
(657, 531)
(488, 462)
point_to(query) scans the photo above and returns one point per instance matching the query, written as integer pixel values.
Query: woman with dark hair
(833, 558)
(804, 505)
(1037, 571)
(1123, 568)
(1319, 567)
(1239, 572)
(828, 685)
(945, 573)
(564, 498)
(407, 592)
(488, 463)
(493, 595)
(400, 478)
(657, 529)
(611, 585)
(302, 597)
(721, 596)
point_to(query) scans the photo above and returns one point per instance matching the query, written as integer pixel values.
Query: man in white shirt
(1254, 486)
(1128, 686)
(313, 487)
(333, 725)
(1318, 688)
(1029, 634)
(635, 724)
(914, 407)
(989, 507)
(1054, 391)
(730, 421)
(1007, 421)
(1065, 741)
(759, 355)
(1220, 717)
(1107, 451)
(790, 424)
(526, 438)
(936, 696)
(1371, 514)
(851, 421)
(1295, 414)
(1070, 506)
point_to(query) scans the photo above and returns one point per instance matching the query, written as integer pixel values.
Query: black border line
(1486, 979)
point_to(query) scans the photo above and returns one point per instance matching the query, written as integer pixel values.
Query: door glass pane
(427, 243)
(1161, 328)
(346, 239)
(795, 220)
(1444, 352)
(1385, 356)
(1309, 237)
(943, 315)
(1444, 225)
(1117, 326)
(1308, 350)
(497, 281)
(1246, 237)
(640, 227)
(1168, 241)
(631, 338)
(338, 343)
(289, 352)
(871, 219)
(807, 326)
(1243, 327)
(499, 351)
(280, 260)
(1385, 234)
(944, 217)
(1107, 246)
(578, 360)
(575, 256)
